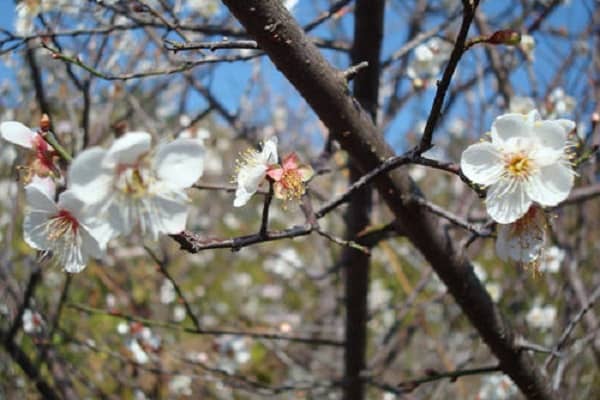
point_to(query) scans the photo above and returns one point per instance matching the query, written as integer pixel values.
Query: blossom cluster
(108, 192)
(254, 167)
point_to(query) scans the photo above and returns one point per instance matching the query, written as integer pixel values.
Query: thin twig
(211, 332)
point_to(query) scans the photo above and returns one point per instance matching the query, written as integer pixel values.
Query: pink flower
(290, 178)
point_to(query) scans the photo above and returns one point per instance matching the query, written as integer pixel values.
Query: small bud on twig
(45, 123)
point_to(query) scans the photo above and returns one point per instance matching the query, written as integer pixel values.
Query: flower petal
(269, 151)
(523, 244)
(180, 163)
(507, 201)
(87, 179)
(39, 200)
(129, 147)
(168, 215)
(251, 176)
(551, 185)
(73, 260)
(45, 184)
(290, 161)
(551, 134)
(275, 172)
(35, 231)
(306, 172)
(510, 125)
(241, 196)
(482, 163)
(17, 133)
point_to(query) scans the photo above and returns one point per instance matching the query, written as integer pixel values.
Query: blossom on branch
(290, 178)
(522, 240)
(526, 162)
(252, 170)
(130, 183)
(42, 157)
(62, 229)
(427, 61)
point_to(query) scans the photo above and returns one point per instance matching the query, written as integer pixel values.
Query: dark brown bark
(324, 88)
(368, 33)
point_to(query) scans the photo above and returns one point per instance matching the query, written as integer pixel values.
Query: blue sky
(232, 79)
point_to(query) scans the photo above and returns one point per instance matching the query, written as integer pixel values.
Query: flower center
(292, 182)
(62, 224)
(518, 165)
(133, 182)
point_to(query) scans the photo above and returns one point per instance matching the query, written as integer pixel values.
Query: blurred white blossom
(541, 317)
(552, 259)
(497, 387)
(181, 385)
(32, 321)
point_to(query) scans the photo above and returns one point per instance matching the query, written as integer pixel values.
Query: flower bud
(505, 36)
(45, 123)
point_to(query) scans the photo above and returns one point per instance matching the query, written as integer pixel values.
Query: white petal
(34, 230)
(523, 245)
(17, 133)
(180, 163)
(87, 179)
(482, 163)
(506, 202)
(102, 232)
(122, 217)
(567, 125)
(70, 202)
(269, 151)
(169, 216)
(250, 177)
(551, 185)
(129, 147)
(39, 200)
(550, 134)
(508, 126)
(45, 184)
(241, 197)
(89, 245)
(73, 260)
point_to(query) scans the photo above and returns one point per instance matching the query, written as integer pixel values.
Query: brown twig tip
(45, 123)
(351, 72)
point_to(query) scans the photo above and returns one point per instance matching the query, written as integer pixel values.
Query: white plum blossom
(526, 162)
(138, 353)
(552, 259)
(497, 387)
(427, 60)
(521, 105)
(522, 240)
(181, 385)
(32, 321)
(541, 317)
(252, 170)
(167, 292)
(528, 46)
(28, 10)
(559, 103)
(130, 183)
(206, 8)
(62, 228)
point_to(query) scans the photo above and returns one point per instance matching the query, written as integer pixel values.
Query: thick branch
(324, 88)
